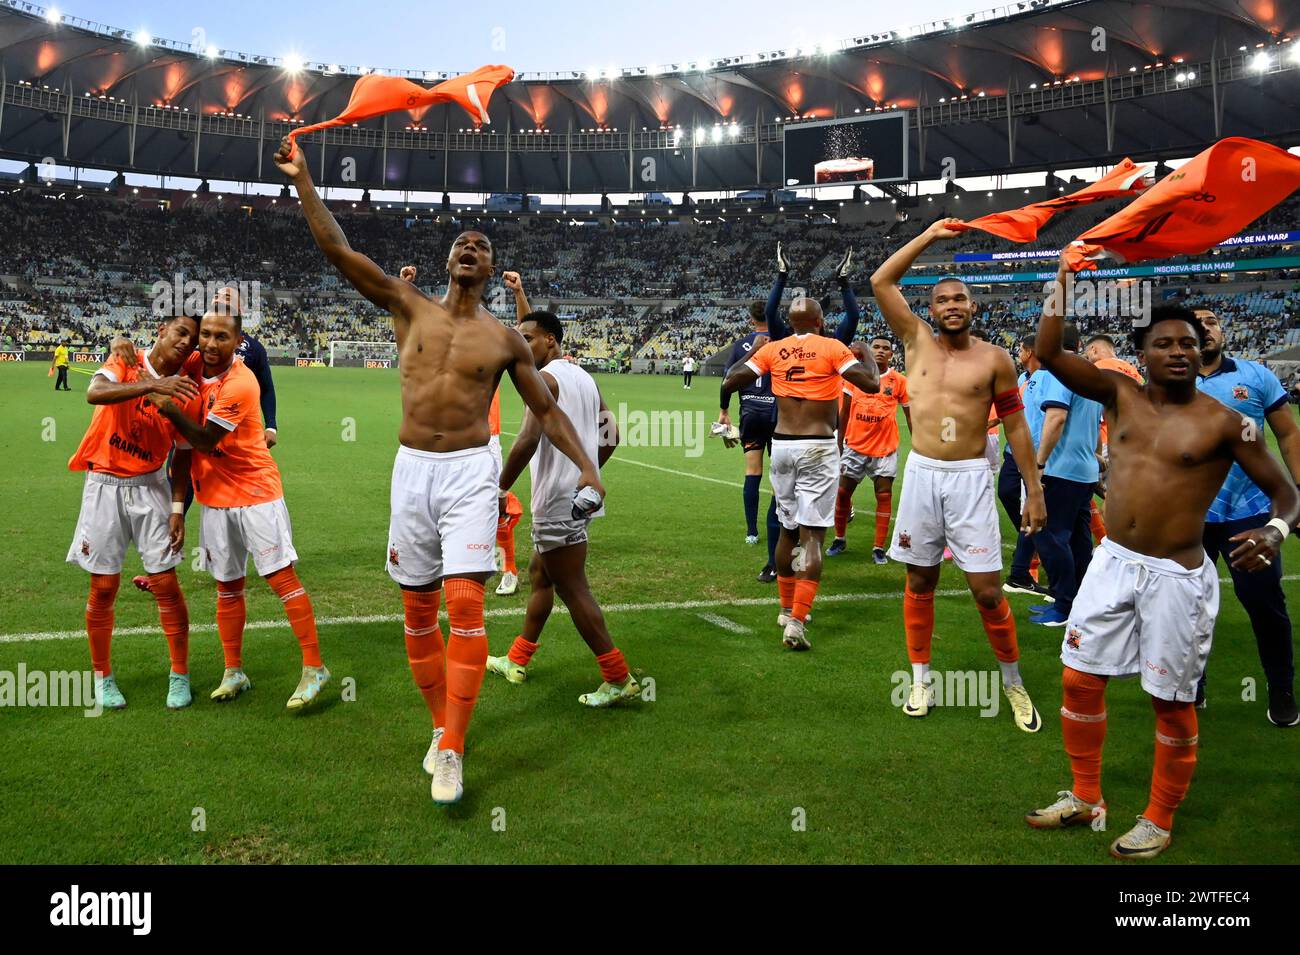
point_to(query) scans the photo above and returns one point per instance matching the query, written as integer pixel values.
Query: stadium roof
(1040, 83)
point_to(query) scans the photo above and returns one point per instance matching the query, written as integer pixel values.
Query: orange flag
(373, 95)
(1022, 225)
(1195, 207)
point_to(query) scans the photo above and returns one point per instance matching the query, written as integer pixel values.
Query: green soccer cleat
(233, 683)
(608, 694)
(178, 691)
(106, 691)
(309, 687)
(507, 668)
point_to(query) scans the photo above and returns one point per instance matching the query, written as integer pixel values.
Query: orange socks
(99, 619)
(918, 624)
(1176, 736)
(424, 650)
(174, 617)
(466, 657)
(297, 607)
(521, 651)
(1000, 625)
(1083, 728)
(231, 615)
(613, 668)
(785, 591)
(506, 541)
(1033, 568)
(884, 510)
(1096, 523)
(804, 593)
(843, 506)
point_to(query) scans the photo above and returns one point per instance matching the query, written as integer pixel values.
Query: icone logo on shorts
(977, 550)
(478, 546)
(1157, 669)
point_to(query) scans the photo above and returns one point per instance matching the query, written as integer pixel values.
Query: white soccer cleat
(1146, 840)
(233, 683)
(431, 757)
(1022, 708)
(448, 770)
(1068, 810)
(919, 700)
(794, 636)
(786, 616)
(509, 584)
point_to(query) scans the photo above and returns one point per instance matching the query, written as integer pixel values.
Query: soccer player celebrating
(806, 369)
(237, 482)
(1100, 350)
(560, 539)
(869, 428)
(452, 352)
(947, 494)
(1253, 391)
(127, 499)
(1150, 596)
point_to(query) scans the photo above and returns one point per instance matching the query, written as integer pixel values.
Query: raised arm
(848, 327)
(516, 285)
(385, 291)
(885, 282)
(1074, 371)
(1259, 547)
(776, 327)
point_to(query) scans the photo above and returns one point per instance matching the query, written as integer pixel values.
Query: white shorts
(230, 535)
(947, 503)
(118, 511)
(805, 477)
(494, 445)
(443, 514)
(857, 466)
(552, 536)
(1136, 614)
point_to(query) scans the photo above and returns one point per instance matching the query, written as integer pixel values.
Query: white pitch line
(719, 621)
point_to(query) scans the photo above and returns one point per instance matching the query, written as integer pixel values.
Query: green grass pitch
(743, 742)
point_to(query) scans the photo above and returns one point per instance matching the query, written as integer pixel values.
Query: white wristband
(178, 507)
(1281, 527)
(501, 494)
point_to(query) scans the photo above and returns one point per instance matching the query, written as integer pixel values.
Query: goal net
(363, 354)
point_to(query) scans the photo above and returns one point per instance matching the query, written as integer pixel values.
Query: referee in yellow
(61, 363)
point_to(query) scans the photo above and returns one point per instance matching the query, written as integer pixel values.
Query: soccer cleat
(1037, 609)
(178, 691)
(509, 584)
(838, 546)
(785, 616)
(142, 583)
(1146, 840)
(1027, 585)
(607, 694)
(233, 683)
(919, 699)
(431, 757)
(1068, 810)
(106, 691)
(309, 687)
(1022, 708)
(1281, 707)
(853, 512)
(846, 265)
(507, 668)
(1051, 618)
(794, 636)
(767, 575)
(782, 263)
(751, 538)
(878, 555)
(448, 777)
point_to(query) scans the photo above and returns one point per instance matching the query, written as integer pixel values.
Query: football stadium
(668, 317)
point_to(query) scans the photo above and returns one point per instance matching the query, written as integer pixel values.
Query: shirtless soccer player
(237, 482)
(947, 495)
(806, 371)
(128, 498)
(452, 352)
(868, 434)
(559, 564)
(1148, 601)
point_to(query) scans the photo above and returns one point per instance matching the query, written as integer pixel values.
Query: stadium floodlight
(1191, 76)
(293, 63)
(734, 131)
(1180, 78)
(717, 134)
(1295, 53)
(211, 52)
(143, 38)
(700, 134)
(593, 73)
(653, 69)
(1260, 62)
(53, 15)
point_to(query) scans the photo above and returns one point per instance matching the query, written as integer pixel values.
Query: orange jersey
(804, 366)
(129, 438)
(494, 413)
(240, 470)
(1124, 368)
(872, 429)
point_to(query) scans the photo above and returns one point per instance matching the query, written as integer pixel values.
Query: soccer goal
(363, 354)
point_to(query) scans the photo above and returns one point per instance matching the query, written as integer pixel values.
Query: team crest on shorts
(392, 554)
(1240, 393)
(905, 541)
(1072, 638)
(85, 547)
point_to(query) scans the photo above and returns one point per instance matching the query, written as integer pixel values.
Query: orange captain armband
(1008, 403)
